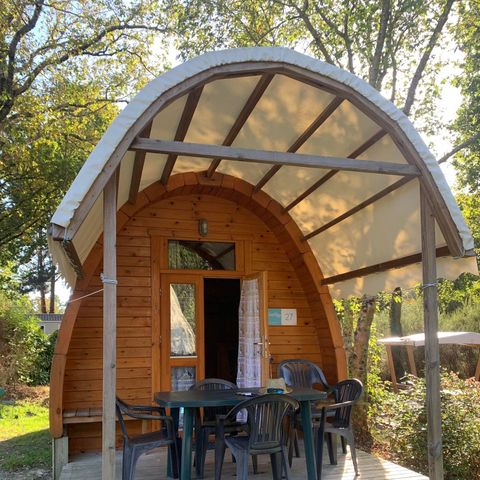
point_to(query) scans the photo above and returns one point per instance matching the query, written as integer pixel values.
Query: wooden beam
(187, 115)
(73, 257)
(358, 151)
(383, 266)
(432, 351)
(247, 109)
(138, 169)
(109, 328)
(272, 157)
(360, 206)
(311, 129)
(56, 232)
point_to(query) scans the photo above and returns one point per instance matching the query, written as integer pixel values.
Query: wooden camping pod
(267, 239)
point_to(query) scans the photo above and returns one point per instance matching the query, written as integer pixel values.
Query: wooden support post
(411, 360)
(432, 354)
(109, 327)
(477, 370)
(391, 367)
(59, 455)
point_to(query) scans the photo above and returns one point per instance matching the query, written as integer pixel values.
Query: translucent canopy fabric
(418, 339)
(351, 219)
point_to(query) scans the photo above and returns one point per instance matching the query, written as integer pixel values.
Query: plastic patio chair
(208, 424)
(266, 418)
(347, 393)
(301, 373)
(135, 445)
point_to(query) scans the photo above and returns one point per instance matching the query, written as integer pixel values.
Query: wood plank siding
(264, 243)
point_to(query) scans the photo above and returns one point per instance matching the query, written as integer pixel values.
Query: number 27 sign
(282, 316)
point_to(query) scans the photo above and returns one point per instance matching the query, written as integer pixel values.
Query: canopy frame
(337, 88)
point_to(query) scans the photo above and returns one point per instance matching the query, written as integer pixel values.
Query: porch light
(203, 227)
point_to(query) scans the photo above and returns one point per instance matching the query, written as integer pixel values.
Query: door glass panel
(182, 320)
(198, 255)
(183, 378)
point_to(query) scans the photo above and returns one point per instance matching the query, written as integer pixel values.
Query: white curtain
(249, 352)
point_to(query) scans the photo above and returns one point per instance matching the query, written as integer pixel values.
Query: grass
(24, 439)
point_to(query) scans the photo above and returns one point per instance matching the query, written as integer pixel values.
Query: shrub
(25, 351)
(399, 424)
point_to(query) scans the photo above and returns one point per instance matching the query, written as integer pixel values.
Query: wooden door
(182, 328)
(264, 344)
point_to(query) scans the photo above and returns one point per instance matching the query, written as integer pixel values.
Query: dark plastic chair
(267, 415)
(339, 422)
(301, 373)
(136, 445)
(208, 425)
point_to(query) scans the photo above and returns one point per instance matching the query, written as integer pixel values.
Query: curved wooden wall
(234, 211)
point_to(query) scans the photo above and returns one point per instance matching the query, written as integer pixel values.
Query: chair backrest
(122, 408)
(266, 414)
(346, 391)
(302, 373)
(210, 413)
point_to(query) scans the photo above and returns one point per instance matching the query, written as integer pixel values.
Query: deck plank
(153, 466)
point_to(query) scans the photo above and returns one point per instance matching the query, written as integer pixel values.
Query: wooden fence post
(432, 356)
(109, 327)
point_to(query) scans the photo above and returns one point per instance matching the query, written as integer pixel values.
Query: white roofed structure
(312, 176)
(469, 339)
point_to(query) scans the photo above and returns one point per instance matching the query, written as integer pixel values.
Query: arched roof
(343, 161)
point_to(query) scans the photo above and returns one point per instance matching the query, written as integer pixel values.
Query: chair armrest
(147, 408)
(144, 416)
(336, 406)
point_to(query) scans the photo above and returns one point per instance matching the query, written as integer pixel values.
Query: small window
(198, 255)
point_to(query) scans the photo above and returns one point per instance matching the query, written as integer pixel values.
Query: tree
(467, 124)
(65, 67)
(389, 44)
(39, 37)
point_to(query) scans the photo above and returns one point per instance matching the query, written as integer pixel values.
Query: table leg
(186, 460)
(175, 414)
(306, 414)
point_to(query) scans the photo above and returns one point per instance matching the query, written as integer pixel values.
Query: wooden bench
(82, 415)
(74, 416)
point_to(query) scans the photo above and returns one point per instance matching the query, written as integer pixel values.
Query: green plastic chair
(267, 415)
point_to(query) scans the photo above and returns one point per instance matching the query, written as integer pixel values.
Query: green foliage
(25, 351)
(467, 124)
(399, 424)
(469, 204)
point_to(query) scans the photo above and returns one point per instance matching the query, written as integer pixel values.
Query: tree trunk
(362, 337)
(43, 303)
(52, 291)
(398, 353)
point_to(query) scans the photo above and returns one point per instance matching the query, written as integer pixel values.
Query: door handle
(264, 344)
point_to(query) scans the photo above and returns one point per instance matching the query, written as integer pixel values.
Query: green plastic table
(189, 400)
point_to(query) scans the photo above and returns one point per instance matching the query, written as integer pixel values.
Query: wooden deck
(153, 466)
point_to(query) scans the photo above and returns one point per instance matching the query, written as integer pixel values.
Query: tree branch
(313, 32)
(442, 19)
(374, 78)
(460, 146)
(19, 34)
